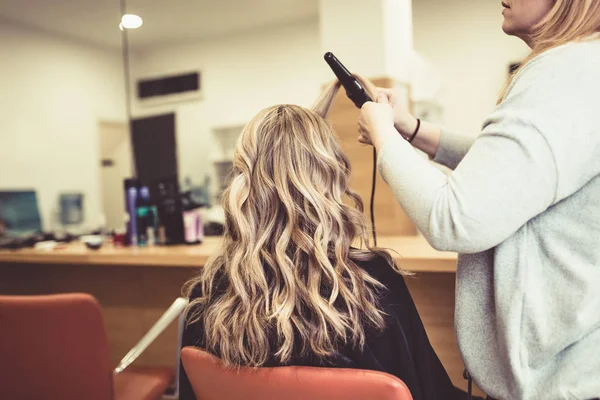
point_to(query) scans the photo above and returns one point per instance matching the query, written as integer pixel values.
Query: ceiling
(165, 21)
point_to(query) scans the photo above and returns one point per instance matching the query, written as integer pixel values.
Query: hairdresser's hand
(376, 122)
(404, 122)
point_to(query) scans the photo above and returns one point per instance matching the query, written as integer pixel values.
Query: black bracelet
(415, 132)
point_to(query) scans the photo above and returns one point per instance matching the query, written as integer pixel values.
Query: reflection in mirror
(213, 66)
(63, 130)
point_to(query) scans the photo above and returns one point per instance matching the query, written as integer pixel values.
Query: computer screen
(19, 213)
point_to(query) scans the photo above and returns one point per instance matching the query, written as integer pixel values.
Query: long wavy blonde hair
(567, 21)
(286, 280)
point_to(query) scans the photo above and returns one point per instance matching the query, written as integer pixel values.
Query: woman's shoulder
(374, 262)
(382, 267)
(557, 93)
(394, 297)
(575, 48)
(576, 59)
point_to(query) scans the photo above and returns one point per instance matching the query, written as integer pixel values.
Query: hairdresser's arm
(443, 146)
(535, 149)
(507, 178)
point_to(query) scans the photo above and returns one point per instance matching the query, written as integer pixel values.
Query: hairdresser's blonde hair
(286, 272)
(567, 21)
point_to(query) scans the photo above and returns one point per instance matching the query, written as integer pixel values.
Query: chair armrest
(173, 312)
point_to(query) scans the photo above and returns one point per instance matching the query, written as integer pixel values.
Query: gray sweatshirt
(522, 209)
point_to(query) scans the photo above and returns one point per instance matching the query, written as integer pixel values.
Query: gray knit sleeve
(452, 148)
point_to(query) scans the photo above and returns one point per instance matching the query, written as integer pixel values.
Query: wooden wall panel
(433, 294)
(389, 217)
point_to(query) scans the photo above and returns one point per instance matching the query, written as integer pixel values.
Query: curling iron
(354, 89)
(357, 93)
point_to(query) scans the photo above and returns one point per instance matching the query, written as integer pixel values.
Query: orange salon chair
(56, 347)
(211, 381)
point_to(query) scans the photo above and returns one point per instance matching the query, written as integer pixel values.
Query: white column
(373, 38)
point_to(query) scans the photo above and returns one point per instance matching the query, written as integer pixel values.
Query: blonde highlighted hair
(567, 21)
(287, 279)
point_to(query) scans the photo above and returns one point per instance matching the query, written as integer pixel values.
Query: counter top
(411, 253)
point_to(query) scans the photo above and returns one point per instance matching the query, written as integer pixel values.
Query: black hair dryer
(354, 90)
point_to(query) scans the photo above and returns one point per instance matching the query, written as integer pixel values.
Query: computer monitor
(19, 213)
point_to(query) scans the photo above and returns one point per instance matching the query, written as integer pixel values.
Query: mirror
(63, 117)
(209, 67)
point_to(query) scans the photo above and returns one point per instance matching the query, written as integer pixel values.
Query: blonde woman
(521, 206)
(288, 287)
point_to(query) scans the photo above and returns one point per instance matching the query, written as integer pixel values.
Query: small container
(194, 228)
(162, 235)
(151, 240)
(119, 239)
(93, 242)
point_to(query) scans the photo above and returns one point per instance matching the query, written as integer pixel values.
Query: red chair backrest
(211, 381)
(53, 347)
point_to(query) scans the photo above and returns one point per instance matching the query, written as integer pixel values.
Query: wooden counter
(412, 253)
(136, 285)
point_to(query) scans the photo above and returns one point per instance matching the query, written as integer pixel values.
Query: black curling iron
(357, 93)
(354, 89)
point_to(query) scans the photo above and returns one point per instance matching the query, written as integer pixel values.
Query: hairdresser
(521, 207)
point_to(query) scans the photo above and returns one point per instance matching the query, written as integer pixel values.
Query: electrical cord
(467, 377)
(372, 204)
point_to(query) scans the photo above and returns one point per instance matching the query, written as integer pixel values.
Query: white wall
(241, 75)
(372, 38)
(464, 41)
(53, 92)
